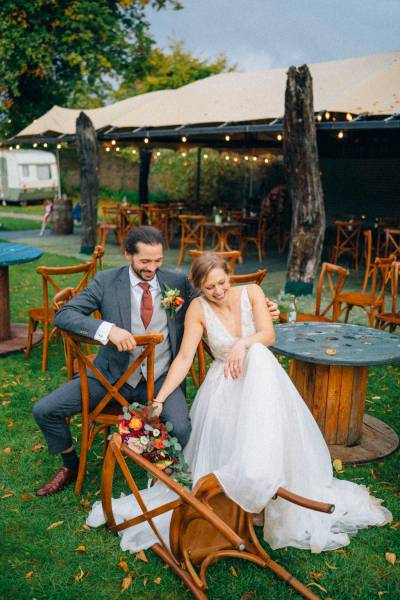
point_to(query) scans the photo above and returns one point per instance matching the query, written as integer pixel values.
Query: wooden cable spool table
(330, 370)
(13, 335)
(222, 231)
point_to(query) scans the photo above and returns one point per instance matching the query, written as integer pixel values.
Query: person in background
(48, 207)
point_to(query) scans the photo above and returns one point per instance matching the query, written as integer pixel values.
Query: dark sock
(70, 459)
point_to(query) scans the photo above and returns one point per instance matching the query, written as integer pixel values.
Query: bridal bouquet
(144, 432)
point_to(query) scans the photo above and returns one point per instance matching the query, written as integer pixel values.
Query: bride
(251, 428)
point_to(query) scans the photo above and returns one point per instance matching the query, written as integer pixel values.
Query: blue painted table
(13, 336)
(329, 367)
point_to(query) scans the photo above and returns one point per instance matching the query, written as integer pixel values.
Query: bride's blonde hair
(202, 265)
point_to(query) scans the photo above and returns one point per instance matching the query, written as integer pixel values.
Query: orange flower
(159, 444)
(179, 300)
(135, 423)
(123, 429)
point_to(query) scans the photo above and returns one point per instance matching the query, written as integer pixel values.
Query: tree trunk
(304, 182)
(89, 185)
(145, 160)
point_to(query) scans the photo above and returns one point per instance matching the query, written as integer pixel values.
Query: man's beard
(139, 274)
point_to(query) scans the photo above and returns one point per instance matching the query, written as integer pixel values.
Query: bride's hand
(157, 407)
(273, 309)
(234, 360)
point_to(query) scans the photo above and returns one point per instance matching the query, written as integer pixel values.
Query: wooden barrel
(61, 217)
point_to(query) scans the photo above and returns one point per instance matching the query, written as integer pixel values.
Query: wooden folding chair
(111, 222)
(256, 237)
(230, 256)
(45, 313)
(371, 301)
(192, 233)
(106, 413)
(97, 259)
(256, 277)
(332, 278)
(159, 218)
(392, 242)
(131, 216)
(347, 240)
(391, 319)
(206, 526)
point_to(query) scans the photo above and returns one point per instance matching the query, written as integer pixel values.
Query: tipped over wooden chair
(332, 278)
(192, 234)
(54, 277)
(372, 300)
(206, 526)
(106, 413)
(391, 319)
(230, 256)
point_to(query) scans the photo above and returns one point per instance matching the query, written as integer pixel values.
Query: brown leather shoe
(61, 479)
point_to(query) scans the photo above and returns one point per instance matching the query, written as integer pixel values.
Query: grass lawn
(42, 563)
(16, 224)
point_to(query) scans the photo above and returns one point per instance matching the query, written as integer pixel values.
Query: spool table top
(336, 344)
(14, 254)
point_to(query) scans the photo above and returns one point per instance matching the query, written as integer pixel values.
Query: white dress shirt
(103, 332)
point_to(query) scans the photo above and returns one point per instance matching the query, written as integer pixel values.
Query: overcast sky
(265, 34)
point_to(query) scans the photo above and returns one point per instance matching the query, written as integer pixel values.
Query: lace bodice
(219, 339)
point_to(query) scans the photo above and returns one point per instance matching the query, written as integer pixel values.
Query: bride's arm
(180, 367)
(264, 333)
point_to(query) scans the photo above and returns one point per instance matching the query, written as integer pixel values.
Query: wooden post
(198, 179)
(145, 160)
(89, 185)
(304, 182)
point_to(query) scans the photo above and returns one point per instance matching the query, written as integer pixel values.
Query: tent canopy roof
(365, 85)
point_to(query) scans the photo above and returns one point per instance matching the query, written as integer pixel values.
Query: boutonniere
(172, 301)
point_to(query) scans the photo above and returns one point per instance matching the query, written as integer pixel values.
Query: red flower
(159, 444)
(179, 300)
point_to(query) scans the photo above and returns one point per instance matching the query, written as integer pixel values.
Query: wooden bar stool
(192, 233)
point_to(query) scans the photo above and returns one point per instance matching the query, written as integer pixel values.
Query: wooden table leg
(5, 328)
(335, 395)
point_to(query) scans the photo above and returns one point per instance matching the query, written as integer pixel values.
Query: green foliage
(170, 70)
(66, 52)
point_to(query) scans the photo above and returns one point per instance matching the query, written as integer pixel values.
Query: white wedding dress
(257, 434)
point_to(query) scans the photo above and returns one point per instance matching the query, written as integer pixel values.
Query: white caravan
(28, 175)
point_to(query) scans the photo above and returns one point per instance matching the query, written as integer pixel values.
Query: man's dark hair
(145, 234)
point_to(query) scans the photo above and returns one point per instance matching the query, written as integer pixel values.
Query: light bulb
(327, 115)
(158, 154)
(58, 146)
(205, 156)
(349, 117)
(319, 117)
(266, 160)
(226, 157)
(35, 145)
(184, 154)
(184, 139)
(133, 151)
(146, 140)
(45, 145)
(117, 149)
(279, 137)
(10, 147)
(17, 147)
(113, 142)
(246, 158)
(227, 138)
(340, 135)
(235, 159)
(107, 149)
(254, 158)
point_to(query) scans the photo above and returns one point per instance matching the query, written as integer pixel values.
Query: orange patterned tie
(146, 305)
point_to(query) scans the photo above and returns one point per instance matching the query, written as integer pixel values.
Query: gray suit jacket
(109, 293)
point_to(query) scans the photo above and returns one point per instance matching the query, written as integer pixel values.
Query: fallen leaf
(26, 497)
(123, 565)
(7, 450)
(316, 575)
(145, 580)
(380, 594)
(248, 596)
(142, 556)
(84, 526)
(80, 575)
(29, 574)
(56, 524)
(8, 495)
(126, 583)
(312, 583)
(81, 549)
(157, 580)
(330, 565)
(390, 557)
(85, 502)
(10, 424)
(233, 571)
(37, 447)
(394, 526)
(376, 398)
(338, 465)
(5, 402)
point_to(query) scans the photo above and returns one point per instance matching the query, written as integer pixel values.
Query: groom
(129, 300)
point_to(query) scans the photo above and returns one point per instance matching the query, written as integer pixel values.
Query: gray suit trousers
(51, 411)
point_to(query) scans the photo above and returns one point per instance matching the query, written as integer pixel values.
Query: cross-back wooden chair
(392, 242)
(255, 236)
(372, 300)
(206, 525)
(159, 218)
(192, 233)
(106, 413)
(97, 259)
(131, 216)
(367, 256)
(231, 256)
(53, 277)
(111, 222)
(332, 278)
(256, 277)
(391, 319)
(347, 240)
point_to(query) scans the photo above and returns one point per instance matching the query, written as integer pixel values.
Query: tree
(67, 52)
(304, 182)
(170, 70)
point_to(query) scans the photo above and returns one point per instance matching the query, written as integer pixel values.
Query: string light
(349, 117)
(254, 158)
(327, 115)
(17, 147)
(279, 137)
(133, 151)
(266, 160)
(235, 159)
(117, 149)
(107, 149)
(227, 138)
(58, 146)
(35, 145)
(10, 147)
(340, 135)
(184, 139)
(205, 156)
(45, 145)
(226, 157)
(9, 121)
(185, 164)
(183, 154)
(319, 117)
(246, 158)
(146, 140)
(113, 142)
(158, 153)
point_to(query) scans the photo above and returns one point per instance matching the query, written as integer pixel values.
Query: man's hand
(273, 309)
(122, 339)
